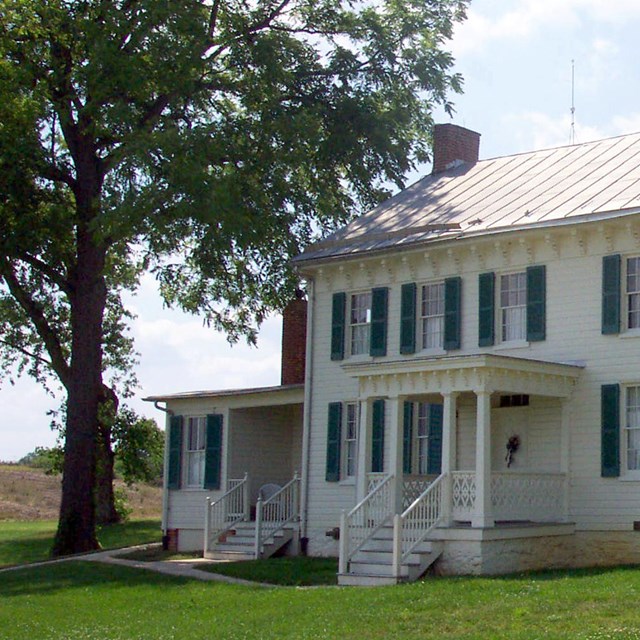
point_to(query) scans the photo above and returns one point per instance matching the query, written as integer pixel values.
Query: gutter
(165, 472)
(306, 421)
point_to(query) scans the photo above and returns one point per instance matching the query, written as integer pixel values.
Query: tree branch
(46, 270)
(36, 315)
(27, 353)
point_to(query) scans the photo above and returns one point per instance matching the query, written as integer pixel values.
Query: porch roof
(486, 372)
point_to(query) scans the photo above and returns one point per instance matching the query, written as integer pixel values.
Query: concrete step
(362, 580)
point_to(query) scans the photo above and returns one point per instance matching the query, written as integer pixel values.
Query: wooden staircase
(372, 565)
(239, 543)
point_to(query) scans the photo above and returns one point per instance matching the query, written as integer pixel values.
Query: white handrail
(227, 511)
(275, 513)
(361, 523)
(411, 527)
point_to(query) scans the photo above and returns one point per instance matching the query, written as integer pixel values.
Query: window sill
(348, 482)
(512, 344)
(630, 333)
(629, 476)
(433, 352)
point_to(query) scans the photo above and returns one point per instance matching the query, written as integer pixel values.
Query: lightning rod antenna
(572, 138)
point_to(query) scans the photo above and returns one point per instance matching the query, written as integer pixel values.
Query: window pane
(360, 321)
(432, 314)
(633, 427)
(513, 302)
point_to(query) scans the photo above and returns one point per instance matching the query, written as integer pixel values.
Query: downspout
(165, 474)
(308, 395)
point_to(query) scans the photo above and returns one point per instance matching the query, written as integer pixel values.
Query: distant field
(30, 494)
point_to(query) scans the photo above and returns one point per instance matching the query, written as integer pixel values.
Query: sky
(516, 61)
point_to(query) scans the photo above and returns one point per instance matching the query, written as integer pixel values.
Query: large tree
(206, 141)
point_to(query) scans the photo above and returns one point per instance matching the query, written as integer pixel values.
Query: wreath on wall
(513, 444)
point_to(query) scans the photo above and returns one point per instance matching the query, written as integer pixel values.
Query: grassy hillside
(29, 494)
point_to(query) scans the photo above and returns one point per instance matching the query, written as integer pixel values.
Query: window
(633, 427)
(513, 306)
(432, 316)
(360, 323)
(514, 401)
(350, 441)
(195, 451)
(633, 293)
(422, 438)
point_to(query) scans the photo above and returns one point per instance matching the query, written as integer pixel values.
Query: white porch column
(364, 447)
(449, 445)
(565, 441)
(483, 516)
(395, 415)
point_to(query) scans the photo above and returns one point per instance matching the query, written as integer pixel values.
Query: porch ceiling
(479, 372)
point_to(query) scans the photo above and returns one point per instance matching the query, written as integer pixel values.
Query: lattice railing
(514, 496)
(226, 512)
(275, 513)
(413, 487)
(361, 523)
(412, 526)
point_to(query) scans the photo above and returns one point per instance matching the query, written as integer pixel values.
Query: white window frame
(359, 323)
(632, 293)
(512, 303)
(431, 316)
(631, 417)
(421, 439)
(350, 436)
(194, 458)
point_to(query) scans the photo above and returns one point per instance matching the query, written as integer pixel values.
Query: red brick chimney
(453, 144)
(294, 340)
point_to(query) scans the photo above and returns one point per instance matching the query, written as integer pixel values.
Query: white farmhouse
(471, 399)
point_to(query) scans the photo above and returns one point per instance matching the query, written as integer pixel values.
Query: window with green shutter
(379, 304)
(407, 437)
(175, 452)
(377, 436)
(536, 303)
(610, 430)
(334, 439)
(486, 309)
(611, 294)
(213, 452)
(452, 313)
(436, 412)
(338, 320)
(408, 318)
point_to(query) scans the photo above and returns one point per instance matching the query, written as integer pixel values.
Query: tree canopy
(205, 141)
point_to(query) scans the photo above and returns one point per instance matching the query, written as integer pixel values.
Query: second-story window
(633, 293)
(432, 316)
(360, 323)
(513, 306)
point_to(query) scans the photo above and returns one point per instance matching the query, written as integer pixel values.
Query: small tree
(205, 141)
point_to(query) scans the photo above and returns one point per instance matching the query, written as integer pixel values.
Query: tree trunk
(106, 512)
(77, 524)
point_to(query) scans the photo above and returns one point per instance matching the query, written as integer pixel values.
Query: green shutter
(610, 452)
(611, 294)
(486, 309)
(536, 303)
(377, 436)
(338, 319)
(213, 452)
(434, 461)
(334, 440)
(175, 452)
(379, 300)
(407, 437)
(452, 312)
(408, 318)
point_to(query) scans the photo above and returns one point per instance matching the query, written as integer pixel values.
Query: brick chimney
(294, 340)
(452, 145)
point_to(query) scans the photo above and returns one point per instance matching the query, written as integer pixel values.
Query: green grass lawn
(83, 600)
(30, 541)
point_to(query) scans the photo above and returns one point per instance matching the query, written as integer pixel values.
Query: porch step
(239, 543)
(364, 580)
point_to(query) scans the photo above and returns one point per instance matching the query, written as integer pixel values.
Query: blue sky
(516, 61)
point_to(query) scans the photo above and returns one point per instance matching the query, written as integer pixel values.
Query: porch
(499, 432)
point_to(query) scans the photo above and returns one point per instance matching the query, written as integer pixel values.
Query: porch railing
(227, 511)
(514, 496)
(411, 527)
(275, 513)
(365, 519)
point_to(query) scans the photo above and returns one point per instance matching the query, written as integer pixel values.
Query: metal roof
(187, 395)
(538, 188)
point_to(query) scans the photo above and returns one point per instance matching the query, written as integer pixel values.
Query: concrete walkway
(180, 568)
